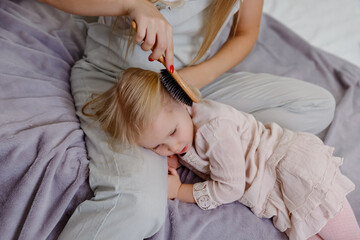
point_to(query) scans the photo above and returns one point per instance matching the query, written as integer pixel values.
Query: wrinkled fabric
(43, 159)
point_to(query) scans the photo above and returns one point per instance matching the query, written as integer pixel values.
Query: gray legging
(131, 187)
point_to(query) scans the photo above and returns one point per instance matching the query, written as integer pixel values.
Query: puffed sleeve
(220, 142)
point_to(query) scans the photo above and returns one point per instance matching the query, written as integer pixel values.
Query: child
(289, 176)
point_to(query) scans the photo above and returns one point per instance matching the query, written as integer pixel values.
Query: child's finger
(172, 171)
(172, 157)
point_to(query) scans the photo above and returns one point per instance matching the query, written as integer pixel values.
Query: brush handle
(182, 83)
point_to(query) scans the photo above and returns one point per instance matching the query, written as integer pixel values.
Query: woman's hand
(174, 183)
(153, 30)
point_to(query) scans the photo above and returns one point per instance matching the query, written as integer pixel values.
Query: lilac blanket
(43, 161)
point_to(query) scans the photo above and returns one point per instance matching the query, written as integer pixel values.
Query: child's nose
(174, 147)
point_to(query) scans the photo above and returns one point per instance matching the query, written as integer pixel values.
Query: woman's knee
(312, 113)
(322, 114)
(309, 108)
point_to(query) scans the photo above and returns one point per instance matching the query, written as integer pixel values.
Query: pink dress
(289, 176)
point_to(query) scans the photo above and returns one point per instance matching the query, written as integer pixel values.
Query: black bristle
(174, 88)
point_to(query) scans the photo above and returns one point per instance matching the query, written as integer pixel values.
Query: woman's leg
(130, 187)
(293, 104)
(342, 226)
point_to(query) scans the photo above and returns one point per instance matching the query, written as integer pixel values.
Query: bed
(43, 157)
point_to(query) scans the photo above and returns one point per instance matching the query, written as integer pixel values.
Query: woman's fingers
(169, 53)
(153, 31)
(163, 45)
(159, 46)
(149, 39)
(159, 40)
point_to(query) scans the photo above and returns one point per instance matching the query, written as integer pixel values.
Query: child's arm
(220, 142)
(234, 50)
(183, 192)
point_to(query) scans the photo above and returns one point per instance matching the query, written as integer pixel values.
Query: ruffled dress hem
(308, 189)
(323, 209)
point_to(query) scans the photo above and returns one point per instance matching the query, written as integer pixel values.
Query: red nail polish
(172, 68)
(150, 59)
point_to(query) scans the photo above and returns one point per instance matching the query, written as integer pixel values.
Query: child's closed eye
(157, 146)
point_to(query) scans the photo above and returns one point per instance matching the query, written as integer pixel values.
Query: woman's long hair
(217, 14)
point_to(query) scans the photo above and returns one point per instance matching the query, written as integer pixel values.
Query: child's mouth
(183, 151)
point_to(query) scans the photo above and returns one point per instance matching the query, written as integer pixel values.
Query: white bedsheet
(331, 25)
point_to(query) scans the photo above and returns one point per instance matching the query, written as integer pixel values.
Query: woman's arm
(152, 28)
(234, 50)
(93, 7)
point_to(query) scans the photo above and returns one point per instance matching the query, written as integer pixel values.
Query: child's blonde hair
(128, 107)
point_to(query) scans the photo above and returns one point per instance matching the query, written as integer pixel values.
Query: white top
(188, 20)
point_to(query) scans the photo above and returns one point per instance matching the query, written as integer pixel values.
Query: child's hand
(173, 161)
(174, 183)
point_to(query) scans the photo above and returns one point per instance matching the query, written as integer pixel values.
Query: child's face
(171, 132)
